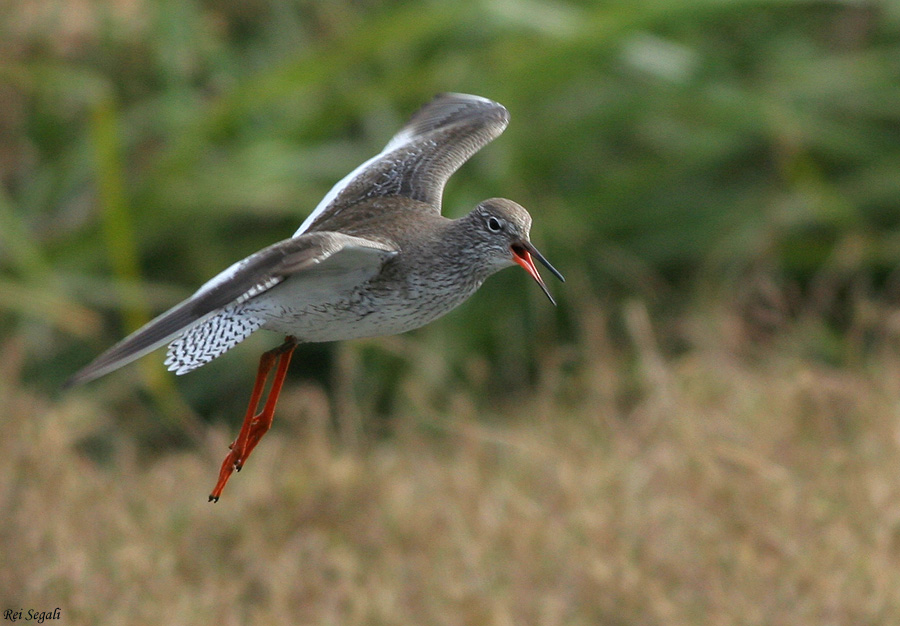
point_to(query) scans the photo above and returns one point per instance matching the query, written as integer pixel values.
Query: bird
(375, 257)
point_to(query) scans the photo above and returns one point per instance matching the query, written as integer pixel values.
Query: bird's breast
(390, 303)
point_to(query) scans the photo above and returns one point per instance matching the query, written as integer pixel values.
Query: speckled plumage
(375, 257)
(204, 341)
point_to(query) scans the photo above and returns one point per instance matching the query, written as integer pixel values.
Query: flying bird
(375, 257)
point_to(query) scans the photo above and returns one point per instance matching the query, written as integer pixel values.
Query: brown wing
(417, 161)
(242, 281)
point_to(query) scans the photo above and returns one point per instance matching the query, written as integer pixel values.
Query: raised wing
(309, 255)
(418, 160)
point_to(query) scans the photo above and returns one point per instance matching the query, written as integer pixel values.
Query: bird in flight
(375, 257)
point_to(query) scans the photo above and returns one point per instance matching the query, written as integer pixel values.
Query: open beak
(522, 254)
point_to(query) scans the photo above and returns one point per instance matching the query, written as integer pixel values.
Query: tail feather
(205, 341)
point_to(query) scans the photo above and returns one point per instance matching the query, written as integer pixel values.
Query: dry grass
(724, 492)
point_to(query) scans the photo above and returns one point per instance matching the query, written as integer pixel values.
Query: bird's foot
(255, 426)
(239, 451)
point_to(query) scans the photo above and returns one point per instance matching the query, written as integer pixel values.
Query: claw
(255, 426)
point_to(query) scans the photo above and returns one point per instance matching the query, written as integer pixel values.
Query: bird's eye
(494, 225)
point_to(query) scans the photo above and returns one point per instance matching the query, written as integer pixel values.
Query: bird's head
(500, 230)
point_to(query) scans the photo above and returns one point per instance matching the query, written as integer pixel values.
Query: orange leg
(256, 425)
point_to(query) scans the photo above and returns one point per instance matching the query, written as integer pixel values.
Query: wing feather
(418, 160)
(241, 282)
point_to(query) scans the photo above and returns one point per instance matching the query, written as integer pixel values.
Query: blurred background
(705, 431)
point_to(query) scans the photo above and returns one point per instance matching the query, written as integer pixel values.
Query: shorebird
(375, 257)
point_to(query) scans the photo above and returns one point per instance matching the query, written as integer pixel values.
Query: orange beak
(522, 254)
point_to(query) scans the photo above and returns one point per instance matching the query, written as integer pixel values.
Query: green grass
(664, 147)
(703, 432)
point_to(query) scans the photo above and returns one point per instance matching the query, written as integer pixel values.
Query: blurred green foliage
(666, 148)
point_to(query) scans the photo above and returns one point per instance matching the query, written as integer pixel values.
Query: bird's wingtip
(78, 378)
